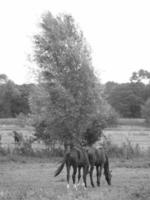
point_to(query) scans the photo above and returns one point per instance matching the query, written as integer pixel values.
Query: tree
(21, 104)
(3, 79)
(66, 73)
(140, 76)
(109, 87)
(9, 93)
(93, 132)
(13, 98)
(147, 92)
(127, 99)
(146, 111)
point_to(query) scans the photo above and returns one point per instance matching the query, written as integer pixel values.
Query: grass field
(26, 178)
(34, 180)
(133, 130)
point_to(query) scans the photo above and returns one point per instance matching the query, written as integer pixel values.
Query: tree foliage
(93, 131)
(146, 111)
(127, 98)
(74, 95)
(13, 98)
(140, 76)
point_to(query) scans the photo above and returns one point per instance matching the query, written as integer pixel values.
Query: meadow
(133, 130)
(32, 178)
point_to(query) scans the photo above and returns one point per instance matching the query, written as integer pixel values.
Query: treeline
(129, 99)
(13, 98)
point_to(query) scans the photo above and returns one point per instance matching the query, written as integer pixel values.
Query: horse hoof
(75, 187)
(83, 185)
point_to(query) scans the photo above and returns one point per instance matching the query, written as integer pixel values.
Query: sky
(118, 32)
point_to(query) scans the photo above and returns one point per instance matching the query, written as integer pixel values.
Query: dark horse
(76, 158)
(99, 158)
(18, 138)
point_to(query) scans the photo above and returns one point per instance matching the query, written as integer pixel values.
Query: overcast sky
(118, 32)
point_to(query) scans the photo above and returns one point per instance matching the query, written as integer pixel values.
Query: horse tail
(106, 165)
(61, 166)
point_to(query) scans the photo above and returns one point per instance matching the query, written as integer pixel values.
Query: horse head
(108, 177)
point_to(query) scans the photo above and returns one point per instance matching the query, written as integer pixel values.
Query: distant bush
(126, 150)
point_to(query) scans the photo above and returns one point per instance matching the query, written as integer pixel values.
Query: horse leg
(98, 173)
(91, 175)
(74, 176)
(85, 172)
(68, 175)
(79, 175)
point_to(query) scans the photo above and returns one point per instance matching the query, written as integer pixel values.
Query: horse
(18, 138)
(99, 159)
(76, 158)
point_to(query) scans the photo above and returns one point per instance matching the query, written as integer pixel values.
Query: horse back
(82, 157)
(92, 155)
(78, 157)
(96, 156)
(101, 155)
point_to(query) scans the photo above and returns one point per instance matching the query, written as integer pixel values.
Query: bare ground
(35, 181)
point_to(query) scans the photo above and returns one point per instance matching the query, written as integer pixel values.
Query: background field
(133, 130)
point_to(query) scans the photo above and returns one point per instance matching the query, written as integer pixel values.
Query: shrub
(126, 150)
